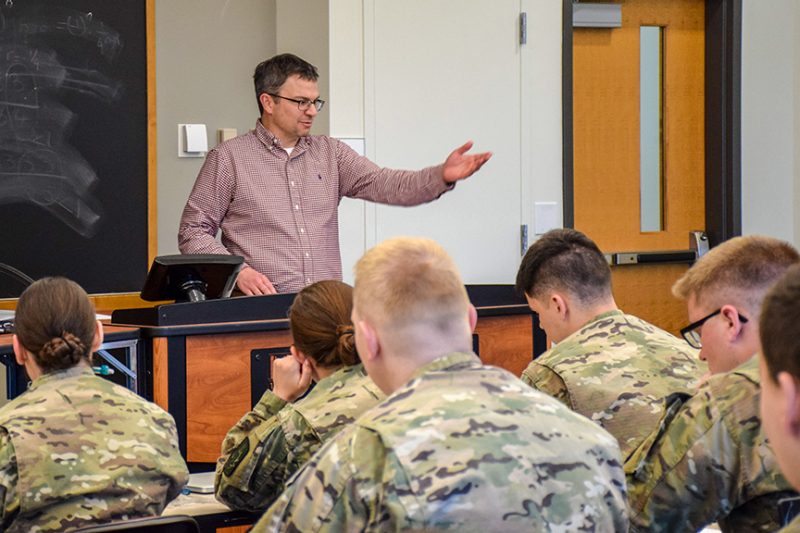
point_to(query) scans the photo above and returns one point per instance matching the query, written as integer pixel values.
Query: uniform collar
(452, 361)
(51, 377)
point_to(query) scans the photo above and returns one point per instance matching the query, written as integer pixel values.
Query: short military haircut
(270, 75)
(406, 281)
(780, 316)
(739, 272)
(567, 260)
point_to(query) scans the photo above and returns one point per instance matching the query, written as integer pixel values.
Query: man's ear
(369, 340)
(266, 102)
(733, 323)
(560, 303)
(790, 395)
(473, 318)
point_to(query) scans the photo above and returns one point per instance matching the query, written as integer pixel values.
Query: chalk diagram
(38, 165)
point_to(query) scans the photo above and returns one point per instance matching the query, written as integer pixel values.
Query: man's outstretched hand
(460, 165)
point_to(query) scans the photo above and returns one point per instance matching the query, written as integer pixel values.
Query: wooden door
(606, 100)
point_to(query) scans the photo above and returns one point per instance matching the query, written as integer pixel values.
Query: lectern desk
(208, 375)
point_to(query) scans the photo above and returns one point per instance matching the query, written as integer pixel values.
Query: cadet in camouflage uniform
(76, 449)
(271, 442)
(780, 376)
(613, 368)
(457, 445)
(710, 460)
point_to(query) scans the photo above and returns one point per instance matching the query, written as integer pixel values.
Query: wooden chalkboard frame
(109, 301)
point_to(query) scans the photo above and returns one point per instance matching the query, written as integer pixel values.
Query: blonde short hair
(739, 271)
(406, 281)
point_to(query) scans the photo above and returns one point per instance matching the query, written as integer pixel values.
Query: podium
(209, 362)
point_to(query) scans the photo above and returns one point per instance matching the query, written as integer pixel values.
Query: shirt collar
(271, 141)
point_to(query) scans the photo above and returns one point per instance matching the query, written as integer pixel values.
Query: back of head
(566, 260)
(780, 316)
(738, 272)
(321, 325)
(270, 75)
(55, 322)
(406, 282)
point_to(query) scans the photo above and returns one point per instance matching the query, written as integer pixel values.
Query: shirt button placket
(295, 198)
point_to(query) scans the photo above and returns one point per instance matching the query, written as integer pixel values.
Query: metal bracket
(523, 28)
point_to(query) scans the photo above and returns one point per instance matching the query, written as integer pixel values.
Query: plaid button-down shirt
(280, 211)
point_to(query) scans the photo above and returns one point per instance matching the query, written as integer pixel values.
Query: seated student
(76, 449)
(279, 435)
(613, 368)
(780, 376)
(711, 461)
(457, 445)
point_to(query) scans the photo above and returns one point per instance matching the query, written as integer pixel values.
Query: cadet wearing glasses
(711, 461)
(275, 191)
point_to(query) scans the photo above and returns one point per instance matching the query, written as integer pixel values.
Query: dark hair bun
(63, 351)
(346, 345)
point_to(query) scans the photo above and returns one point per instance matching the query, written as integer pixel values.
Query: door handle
(698, 246)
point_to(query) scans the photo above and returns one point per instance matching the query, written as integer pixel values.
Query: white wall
(771, 118)
(206, 51)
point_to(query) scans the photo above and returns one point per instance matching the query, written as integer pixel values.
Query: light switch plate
(192, 140)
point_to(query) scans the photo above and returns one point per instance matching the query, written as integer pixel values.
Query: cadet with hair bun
(280, 434)
(76, 449)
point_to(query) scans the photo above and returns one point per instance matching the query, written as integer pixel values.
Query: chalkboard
(74, 142)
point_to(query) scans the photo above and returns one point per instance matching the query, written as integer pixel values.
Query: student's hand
(460, 165)
(290, 379)
(252, 282)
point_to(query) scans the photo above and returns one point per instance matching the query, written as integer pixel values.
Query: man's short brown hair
(565, 259)
(405, 281)
(778, 324)
(739, 271)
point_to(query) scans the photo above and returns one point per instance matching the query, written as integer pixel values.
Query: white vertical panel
(443, 72)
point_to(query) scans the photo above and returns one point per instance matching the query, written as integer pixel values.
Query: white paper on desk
(202, 483)
(6, 315)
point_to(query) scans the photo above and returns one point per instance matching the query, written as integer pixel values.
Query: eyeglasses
(302, 103)
(691, 332)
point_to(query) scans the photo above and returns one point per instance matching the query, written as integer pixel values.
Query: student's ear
(19, 352)
(370, 342)
(299, 356)
(790, 394)
(473, 318)
(98, 336)
(560, 304)
(732, 321)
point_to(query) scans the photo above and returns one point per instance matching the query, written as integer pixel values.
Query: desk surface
(209, 514)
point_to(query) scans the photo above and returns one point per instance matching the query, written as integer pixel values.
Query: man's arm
(203, 214)
(9, 500)
(691, 476)
(542, 378)
(361, 178)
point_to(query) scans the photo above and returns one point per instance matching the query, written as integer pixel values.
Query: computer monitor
(191, 277)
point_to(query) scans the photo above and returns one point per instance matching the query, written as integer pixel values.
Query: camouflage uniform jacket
(463, 447)
(76, 449)
(709, 462)
(617, 370)
(271, 442)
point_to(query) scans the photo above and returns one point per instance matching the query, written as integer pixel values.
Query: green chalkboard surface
(73, 142)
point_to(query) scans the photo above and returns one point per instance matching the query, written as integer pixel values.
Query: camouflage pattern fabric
(617, 370)
(793, 526)
(711, 462)
(460, 447)
(271, 442)
(76, 449)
